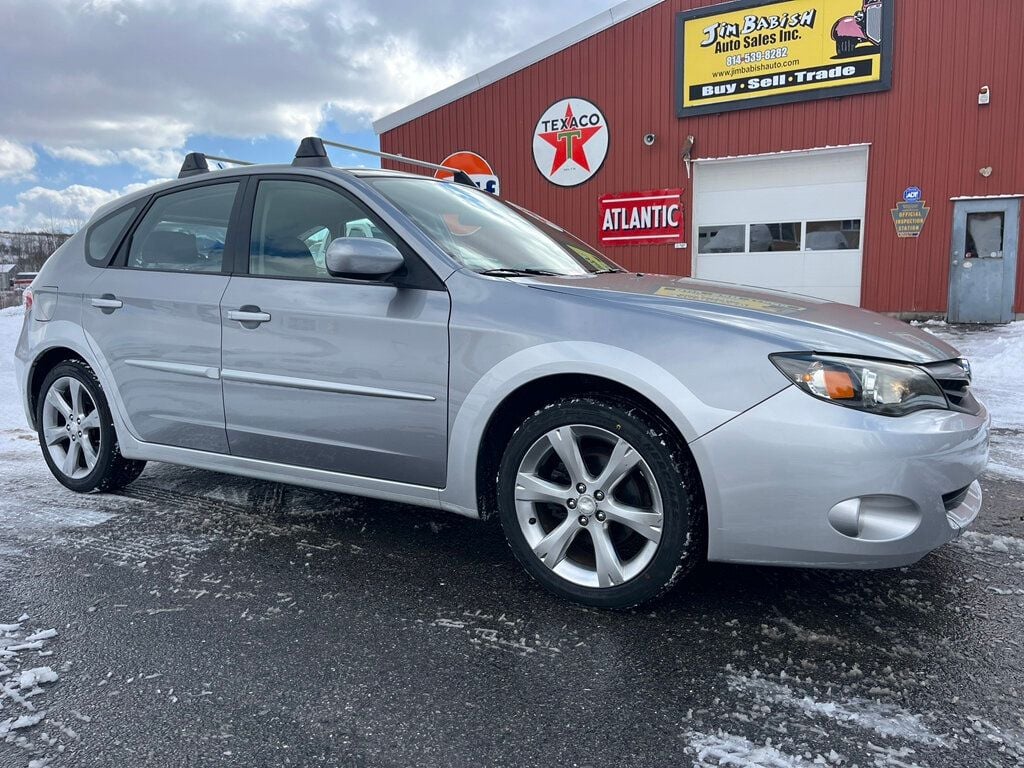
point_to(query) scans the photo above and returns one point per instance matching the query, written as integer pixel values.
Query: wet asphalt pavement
(208, 620)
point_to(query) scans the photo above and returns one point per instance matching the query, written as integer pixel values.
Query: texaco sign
(570, 142)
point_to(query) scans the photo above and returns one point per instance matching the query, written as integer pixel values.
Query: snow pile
(21, 687)
(725, 749)
(997, 359)
(885, 719)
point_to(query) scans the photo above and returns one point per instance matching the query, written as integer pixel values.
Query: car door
(342, 375)
(153, 317)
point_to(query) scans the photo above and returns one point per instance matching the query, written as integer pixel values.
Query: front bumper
(800, 482)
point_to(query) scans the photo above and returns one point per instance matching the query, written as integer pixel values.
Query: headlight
(888, 389)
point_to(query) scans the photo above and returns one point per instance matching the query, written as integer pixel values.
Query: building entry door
(983, 267)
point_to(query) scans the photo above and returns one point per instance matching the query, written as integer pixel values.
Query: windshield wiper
(606, 271)
(504, 272)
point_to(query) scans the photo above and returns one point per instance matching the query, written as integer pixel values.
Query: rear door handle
(108, 302)
(249, 316)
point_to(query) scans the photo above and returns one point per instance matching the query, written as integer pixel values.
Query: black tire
(682, 545)
(846, 45)
(112, 470)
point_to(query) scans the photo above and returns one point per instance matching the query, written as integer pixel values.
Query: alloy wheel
(71, 427)
(589, 506)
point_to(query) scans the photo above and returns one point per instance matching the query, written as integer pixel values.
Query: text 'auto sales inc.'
(864, 151)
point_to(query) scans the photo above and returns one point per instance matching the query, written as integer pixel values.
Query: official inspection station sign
(653, 217)
(753, 53)
(910, 214)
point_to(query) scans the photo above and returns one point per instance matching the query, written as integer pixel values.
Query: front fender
(689, 414)
(848, 27)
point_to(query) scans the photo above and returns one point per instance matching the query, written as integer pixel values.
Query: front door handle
(249, 316)
(108, 302)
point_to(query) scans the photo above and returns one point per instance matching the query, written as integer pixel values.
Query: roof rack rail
(312, 152)
(195, 163)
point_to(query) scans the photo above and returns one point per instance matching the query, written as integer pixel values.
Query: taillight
(27, 296)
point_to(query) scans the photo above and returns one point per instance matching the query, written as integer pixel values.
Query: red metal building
(868, 151)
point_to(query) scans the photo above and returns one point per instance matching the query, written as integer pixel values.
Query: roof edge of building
(586, 29)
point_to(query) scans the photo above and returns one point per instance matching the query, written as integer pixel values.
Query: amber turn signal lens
(837, 385)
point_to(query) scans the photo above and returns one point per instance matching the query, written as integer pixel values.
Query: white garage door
(791, 222)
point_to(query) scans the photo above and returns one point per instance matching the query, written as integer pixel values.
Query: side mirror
(362, 258)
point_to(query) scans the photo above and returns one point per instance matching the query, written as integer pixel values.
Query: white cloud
(16, 161)
(45, 209)
(160, 162)
(132, 80)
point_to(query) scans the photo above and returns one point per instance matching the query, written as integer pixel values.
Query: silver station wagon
(418, 340)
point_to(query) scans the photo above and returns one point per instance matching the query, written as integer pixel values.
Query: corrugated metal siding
(927, 131)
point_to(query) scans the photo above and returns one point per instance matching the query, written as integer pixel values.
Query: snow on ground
(997, 359)
(725, 749)
(886, 720)
(22, 692)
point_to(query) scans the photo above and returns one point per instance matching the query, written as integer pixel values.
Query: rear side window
(104, 236)
(185, 231)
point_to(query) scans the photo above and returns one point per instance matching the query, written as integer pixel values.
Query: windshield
(486, 234)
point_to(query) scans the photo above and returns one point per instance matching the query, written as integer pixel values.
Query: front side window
(185, 231)
(294, 222)
(484, 233)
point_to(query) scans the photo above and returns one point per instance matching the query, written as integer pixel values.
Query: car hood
(789, 321)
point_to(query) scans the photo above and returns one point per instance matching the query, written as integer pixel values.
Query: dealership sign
(641, 218)
(753, 53)
(478, 169)
(570, 142)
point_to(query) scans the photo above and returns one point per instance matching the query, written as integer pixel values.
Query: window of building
(726, 239)
(185, 231)
(766, 238)
(984, 236)
(786, 236)
(833, 235)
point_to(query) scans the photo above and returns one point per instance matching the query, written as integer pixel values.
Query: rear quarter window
(105, 235)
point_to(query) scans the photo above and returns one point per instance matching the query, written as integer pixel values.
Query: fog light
(875, 518)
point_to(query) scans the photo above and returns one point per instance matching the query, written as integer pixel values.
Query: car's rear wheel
(76, 432)
(600, 503)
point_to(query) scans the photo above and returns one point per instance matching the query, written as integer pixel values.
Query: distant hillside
(29, 249)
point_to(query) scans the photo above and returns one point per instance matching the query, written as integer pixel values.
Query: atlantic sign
(754, 53)
(654, 217)
(570, 142)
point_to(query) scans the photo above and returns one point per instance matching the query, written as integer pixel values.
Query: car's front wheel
(76, 432)
(845, 46)
(600, 502)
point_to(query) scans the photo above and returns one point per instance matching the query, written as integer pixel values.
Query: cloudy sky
(97, 96)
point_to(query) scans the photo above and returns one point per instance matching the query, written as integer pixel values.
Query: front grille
(955, 380)
(953, 500)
